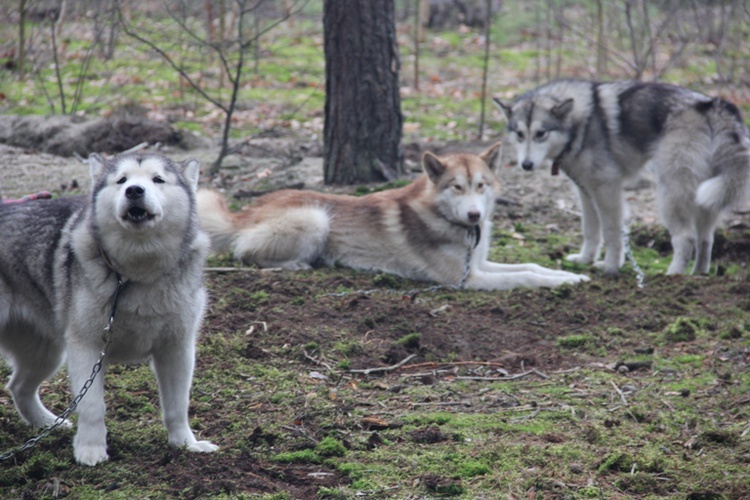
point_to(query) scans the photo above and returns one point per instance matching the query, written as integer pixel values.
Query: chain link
(640, 276)
(60, 420)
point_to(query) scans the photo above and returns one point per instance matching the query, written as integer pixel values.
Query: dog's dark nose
(473, 216)
(527, 165)
(134, 192)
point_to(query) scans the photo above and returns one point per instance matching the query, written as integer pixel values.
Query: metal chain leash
(60, 420)
(640, 276)
(473, 235)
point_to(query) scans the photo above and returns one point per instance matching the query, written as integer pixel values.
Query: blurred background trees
(235, 69)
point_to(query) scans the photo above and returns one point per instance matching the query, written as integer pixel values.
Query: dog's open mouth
(138, 214)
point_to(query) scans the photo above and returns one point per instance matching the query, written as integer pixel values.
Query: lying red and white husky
(437, 229)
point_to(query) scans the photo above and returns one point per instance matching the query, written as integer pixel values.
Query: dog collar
(555, 167)
(108, 263)
(557, 161)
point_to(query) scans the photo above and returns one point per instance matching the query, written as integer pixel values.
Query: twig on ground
(433, 373)
(622, 396)
(433, 364)
(135, 148)
(526, 417)
(502, 200)
(497, 379)
(443, 403)
(398, 365)
(301, 431)
(317, 361)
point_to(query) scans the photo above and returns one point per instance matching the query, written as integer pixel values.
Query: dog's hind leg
(592, 233)
(705, 225)
(291, 239)
(679, 214)
(679, 218)
(33, 363)
(680, 163)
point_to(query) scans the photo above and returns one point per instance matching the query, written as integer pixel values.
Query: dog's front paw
(607, 269)
(577, 278)
(202, 447)
(579, 258)
(91, 455)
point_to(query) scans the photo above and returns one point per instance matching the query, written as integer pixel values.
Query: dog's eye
(122, 180)
(457, 187)
(520, 136)
(158, 180)
(480, 185)
(540, 135)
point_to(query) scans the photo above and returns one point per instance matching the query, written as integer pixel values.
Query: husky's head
(465, 184)
(143, 192)
(537, 128)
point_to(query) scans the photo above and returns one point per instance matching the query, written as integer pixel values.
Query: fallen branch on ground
(398, 365)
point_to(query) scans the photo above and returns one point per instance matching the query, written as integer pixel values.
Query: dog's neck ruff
(108, 263)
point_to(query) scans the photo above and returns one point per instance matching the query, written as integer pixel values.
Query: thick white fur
(159, 312)
(421, 231)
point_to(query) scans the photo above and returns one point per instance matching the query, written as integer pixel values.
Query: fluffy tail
(216, 220)
(730, 162)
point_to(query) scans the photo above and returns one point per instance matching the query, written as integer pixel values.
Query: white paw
(579, 258)
(63, 425)
(91, 455)
(202, 447)
(50, 420)
(578, 278)
(606, 268)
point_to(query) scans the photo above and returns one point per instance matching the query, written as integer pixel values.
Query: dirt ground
(282, 319)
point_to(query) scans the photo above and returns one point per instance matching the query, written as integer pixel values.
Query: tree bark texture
(363, 119)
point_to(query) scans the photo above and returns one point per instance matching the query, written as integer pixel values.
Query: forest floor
(333, 383)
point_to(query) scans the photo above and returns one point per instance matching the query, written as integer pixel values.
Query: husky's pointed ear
(562, 109)
(96, 165)
(506, 108)
(492, 155)
(433, 166)
(191, 169)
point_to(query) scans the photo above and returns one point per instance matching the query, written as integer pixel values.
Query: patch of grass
(574, 341)
(410, 341)
(330, 447)
(681, 330)
(471, 468)
(306, 456)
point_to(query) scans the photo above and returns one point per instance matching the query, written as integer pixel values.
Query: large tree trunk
(363, 120)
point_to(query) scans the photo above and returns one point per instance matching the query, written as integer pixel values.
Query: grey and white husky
(601, 134)
(60, 261)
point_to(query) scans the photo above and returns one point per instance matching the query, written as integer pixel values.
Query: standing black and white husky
(601, 134)
(60, 261)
